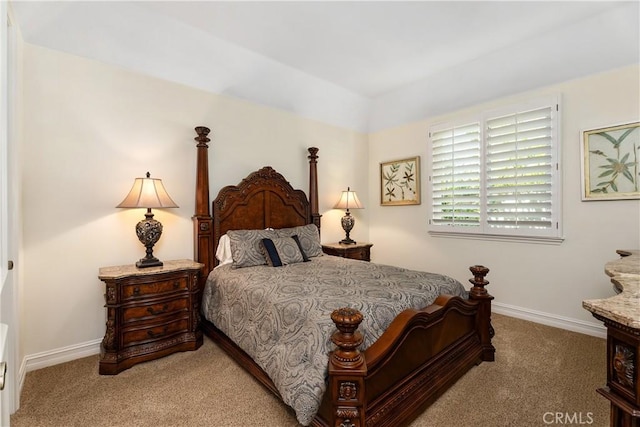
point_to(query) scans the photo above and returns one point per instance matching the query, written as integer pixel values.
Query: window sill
(499, 238)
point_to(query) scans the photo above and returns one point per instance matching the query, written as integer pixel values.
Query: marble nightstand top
(623, 308)
(119, 271)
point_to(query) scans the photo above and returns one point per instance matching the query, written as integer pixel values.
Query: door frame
(10, 234)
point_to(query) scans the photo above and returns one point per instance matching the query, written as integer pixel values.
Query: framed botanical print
(610, 168)
(400, 182)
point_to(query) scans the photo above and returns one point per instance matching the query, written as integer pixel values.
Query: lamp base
(149, 262)
(347, 224)
(149, 231)
(348, 241)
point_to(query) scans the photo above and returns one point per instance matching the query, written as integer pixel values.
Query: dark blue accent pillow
(271, 253)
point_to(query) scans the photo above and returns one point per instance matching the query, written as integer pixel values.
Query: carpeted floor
(542, 376)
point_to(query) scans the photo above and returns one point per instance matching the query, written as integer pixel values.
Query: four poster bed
(409, 356)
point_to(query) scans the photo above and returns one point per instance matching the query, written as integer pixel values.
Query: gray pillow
(245, 247)
(309, 237)
(282, 251)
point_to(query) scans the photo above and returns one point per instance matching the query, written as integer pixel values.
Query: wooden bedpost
(313, 186)
(483, 323)
(202, 221)
(347, 369)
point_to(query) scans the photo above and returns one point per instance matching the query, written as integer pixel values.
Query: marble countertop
(623, 308)
(119, 271)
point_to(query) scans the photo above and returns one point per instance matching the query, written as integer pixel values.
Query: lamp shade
(349, 200)
(147, 193)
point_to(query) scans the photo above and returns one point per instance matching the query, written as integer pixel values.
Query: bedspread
(281, 317)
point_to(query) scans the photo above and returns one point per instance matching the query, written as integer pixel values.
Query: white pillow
(223, 252)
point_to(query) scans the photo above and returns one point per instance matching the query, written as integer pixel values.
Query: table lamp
(148, 193)
(348, 200)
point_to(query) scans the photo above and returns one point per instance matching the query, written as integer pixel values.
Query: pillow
(223, 252)
(245, 247)
(309, 238)
(281, 251)
(305, 258)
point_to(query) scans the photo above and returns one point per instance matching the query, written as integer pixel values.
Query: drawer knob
(157, 334)
(176, 284)
(152, 311)
(136, 290)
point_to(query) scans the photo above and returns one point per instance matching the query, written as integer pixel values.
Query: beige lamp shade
(349, 200)
(147, 193)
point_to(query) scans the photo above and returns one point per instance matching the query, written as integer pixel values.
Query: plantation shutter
(520, 169)
(455, 178)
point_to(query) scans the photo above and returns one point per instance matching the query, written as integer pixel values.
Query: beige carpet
(540, 374)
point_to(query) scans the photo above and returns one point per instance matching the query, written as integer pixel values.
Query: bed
(383, 365)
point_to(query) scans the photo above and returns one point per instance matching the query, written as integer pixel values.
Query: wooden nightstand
(359, 251)
(151, 312)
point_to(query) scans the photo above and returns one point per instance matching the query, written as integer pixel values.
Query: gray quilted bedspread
(281, 316)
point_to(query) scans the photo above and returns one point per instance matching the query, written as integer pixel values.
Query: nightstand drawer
(154, 288)
(358, 251)
(143, 312)
(132, 336)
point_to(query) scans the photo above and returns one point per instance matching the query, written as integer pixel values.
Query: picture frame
(400, 182)
(610, 166)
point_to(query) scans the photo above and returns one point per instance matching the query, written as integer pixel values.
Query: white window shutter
(496, 174)
(520, 168)
(455, 176)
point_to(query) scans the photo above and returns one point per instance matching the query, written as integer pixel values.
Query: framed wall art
(610, 168)
(400, 182)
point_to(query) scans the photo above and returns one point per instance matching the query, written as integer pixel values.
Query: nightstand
(151, 312)
(359, 251)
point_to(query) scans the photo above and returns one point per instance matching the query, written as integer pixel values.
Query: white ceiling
(374, 47)
(346, 53)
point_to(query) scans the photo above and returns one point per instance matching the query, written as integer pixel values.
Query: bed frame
(420, 355)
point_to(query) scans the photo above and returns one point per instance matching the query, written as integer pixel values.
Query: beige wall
(89, 130)
(540, 281)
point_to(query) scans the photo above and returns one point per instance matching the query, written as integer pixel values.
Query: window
(497, 173)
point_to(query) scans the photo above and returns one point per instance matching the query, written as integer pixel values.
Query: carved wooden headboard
(263, 199)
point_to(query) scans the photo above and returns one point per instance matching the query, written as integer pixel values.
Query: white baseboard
(53, 357)
(22, 373)
(575, 325)
(60, 355)
(89, 348)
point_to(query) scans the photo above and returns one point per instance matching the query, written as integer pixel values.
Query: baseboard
(22, 374)
(53, 357)
(575, 325)
(60, 355)
(90, 348)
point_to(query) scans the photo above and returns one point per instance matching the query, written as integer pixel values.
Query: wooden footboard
(421, 354)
